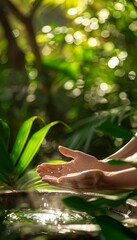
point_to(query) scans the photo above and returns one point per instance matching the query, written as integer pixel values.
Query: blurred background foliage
(73, 61)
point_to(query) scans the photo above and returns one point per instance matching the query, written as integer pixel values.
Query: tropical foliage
(101, 208)
(73, 61)
(13, 165)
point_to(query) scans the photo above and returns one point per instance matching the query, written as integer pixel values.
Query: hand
(78, 166)
(85, 181)
(80, 162)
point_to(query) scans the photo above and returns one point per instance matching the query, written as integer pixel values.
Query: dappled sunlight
(113, 62)
(72, 11)
(72, 65)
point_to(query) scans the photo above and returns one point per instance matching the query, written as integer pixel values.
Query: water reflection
(48, 217)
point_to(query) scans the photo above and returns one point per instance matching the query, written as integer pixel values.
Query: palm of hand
(81, 162)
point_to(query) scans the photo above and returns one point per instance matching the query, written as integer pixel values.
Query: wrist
(105, 166)
(106, 183)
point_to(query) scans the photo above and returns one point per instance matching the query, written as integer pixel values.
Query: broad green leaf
(116, 162)
(22, 138)
(40, 185)
(129, 160)
(4, 132)
(29, 178)
(99, 205)
(114, 230)
(31, 148)
(95, 208)
(80, 204)
(112, 129)
(75, 202)
(109, 201)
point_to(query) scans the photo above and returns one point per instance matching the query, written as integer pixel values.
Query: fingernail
(60, 146)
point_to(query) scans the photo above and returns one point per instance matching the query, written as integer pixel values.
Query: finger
(52, 181)
(46, 169)
(68, 152)
(49, 167)
(56, 170)
(49, 179)
(72, 178)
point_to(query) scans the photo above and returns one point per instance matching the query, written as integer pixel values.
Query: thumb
(68, 152)
(68, 178)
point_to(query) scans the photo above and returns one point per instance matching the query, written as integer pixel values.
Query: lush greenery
(71, 61)
(13, 165)
(113, 226)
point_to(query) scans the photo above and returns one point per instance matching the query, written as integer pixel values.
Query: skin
(85, 173)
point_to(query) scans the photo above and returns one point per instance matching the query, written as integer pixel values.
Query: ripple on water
(47, 216)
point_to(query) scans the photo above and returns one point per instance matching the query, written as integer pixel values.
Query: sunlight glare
(86, 22)
(46, 29)
(46, 51)
(69, 85)
(120, 72)
(105, 34)
(78, 35)
(104, 86)
(119, 6)
(69, 38)
(30, 98)
(113, 62)
(92, 42)
(123, 55)
(94, 24)
(133, 26)
(72, 11)
(76, 92)
(103, 15)
(132, 75)
(109, 46)
(79, 20)
(123, 95)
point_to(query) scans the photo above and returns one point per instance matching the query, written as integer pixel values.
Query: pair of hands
(82, 174)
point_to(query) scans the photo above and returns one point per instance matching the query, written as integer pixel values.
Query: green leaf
(29, 178)
(98, 205)
(4, 132)
(117, 162)
(112, 129)
(22, 138)
(83, 131)
(112, 229)
(32, 147)
(129, 160)
(103, 202)
(75, 202)
(80, 204)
